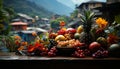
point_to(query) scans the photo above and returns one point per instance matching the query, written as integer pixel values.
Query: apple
(94, 46)
(71, 30)
(61, 32)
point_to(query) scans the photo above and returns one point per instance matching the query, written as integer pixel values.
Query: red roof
(19, 23)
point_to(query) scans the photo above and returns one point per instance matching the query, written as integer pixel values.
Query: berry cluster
(81, 53)
(52, 52)
(100, 54)
(44, 53)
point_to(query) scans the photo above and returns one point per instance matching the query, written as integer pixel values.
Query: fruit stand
(93, 38)
(94, 43)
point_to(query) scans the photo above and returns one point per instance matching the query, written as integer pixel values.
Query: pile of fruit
(87, 40)
(69, 39)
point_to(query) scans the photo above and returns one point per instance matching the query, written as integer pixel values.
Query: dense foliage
(6, 14)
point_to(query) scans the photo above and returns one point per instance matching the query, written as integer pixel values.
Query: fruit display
(86, 40)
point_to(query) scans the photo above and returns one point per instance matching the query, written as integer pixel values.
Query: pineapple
(87, 19)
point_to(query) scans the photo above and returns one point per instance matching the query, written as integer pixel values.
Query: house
(26, 18)
(111, 11)
(36, 29)
(112, 1)
(91, 5)
(26, 35)
(45, 20)
(42, 23)
(18, 26)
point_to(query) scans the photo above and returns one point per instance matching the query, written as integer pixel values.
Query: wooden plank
(12, 56)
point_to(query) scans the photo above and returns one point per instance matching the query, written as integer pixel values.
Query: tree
(1, 4)
(6, 14)
(74, 14)
(55, 24)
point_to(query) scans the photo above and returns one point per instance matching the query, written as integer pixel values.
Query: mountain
(27, 7)
(54, 6)
(69, 3)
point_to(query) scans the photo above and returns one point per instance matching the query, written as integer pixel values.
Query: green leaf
(92, 14)
(41, 35)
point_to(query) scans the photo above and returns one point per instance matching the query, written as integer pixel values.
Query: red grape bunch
(81, 53)
(100, 54)
(52, 52)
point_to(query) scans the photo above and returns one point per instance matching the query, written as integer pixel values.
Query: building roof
(16, 20)
(25, 16)
(18, 23)
(36, 29)
(90, 2)
(45, 19)
(27, 32)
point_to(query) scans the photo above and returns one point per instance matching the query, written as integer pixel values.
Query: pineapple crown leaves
(87, 16)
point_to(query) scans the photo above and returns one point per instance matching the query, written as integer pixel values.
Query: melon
(77, 35)
(114, 50)
(102, 41)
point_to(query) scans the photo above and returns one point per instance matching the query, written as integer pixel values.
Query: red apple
(71, 30)
(94, 46)
(61, 32)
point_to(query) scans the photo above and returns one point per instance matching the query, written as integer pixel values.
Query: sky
(72, 3)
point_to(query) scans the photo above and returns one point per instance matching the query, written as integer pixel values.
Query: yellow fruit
(80, 29)
(60, 37)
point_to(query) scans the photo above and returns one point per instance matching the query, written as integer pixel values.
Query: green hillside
(27, 7)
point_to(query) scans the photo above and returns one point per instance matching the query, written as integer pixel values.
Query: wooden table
(15, 61)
